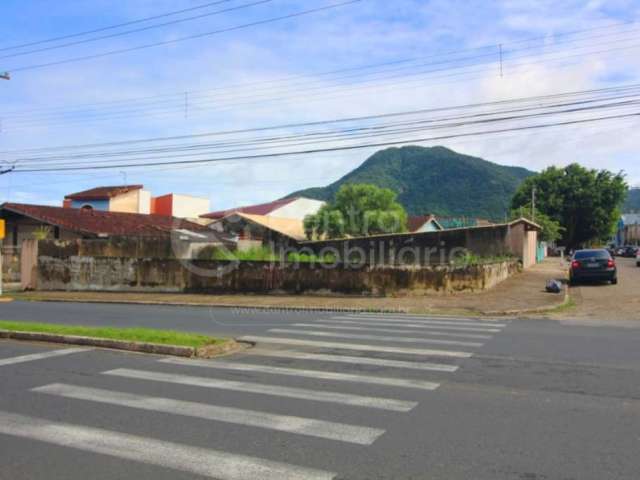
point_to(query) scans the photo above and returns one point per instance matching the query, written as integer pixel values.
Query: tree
(551, 229)
(586, 203)
(358, 210)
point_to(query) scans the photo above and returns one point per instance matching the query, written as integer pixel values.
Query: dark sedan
(595, 265)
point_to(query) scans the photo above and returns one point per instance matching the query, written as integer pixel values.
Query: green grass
(164, 337)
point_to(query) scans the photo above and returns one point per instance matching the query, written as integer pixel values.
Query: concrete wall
(134, 201)
(125, 247)
(421, 248)
(186, 206)
(432, 248)
(121, 274)
(10, 264)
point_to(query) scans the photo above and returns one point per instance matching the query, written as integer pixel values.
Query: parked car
(595, 264)
(631, 252)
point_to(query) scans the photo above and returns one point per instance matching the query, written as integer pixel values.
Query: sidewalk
(523, 293)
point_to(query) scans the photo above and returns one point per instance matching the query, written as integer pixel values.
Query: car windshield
(591, 254)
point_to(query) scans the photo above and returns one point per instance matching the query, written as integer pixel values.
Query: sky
(276, 73)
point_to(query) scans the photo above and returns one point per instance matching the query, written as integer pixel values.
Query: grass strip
(146, 335)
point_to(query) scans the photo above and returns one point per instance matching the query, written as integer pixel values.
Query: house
(120, 198)
(293, 208)
(252, 231)
(628, 232)
(181, 206)
(39, 221)
(423, 223)
(135, 199)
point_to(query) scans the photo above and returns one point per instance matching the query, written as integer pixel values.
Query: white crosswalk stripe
(195, 460)
(392, 330)
(429, 317)
(274, 390)
(453, 328)
(284, 423)
(375, 338)
(41, 356)
(355, 346)
(426, 321)
(296, 372)
(379, 362)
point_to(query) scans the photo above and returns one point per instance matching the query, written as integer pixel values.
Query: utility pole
(5, 76)
(533, 204)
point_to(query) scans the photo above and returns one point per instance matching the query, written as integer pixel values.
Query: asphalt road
(324, 396)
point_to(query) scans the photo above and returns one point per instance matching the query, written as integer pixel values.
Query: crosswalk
(328, 375)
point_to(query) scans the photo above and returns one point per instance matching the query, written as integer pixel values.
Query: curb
(208, 351)
(223, 305)
(532, 311)
(6, 299)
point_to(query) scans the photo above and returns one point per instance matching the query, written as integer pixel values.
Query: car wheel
(614, 281)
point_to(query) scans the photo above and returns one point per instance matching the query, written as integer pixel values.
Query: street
(324, 395)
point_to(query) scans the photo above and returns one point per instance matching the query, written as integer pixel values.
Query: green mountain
(435, 180)
(633, 201)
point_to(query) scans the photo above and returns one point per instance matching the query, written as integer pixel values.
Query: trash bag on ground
(554, 286)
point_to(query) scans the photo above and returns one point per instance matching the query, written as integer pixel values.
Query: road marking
(392, 330)
(380, 362)
(429, 318)
(296, 372)
(377, 338)
(276, 390)
(413, 325)
(356, 346)
(252, 418)
(460, 323)
(195, 460)
(41, 356)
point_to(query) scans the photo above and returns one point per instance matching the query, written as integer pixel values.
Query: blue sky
(368, 32)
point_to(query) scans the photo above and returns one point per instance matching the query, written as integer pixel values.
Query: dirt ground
(608, 304)
(522, 292)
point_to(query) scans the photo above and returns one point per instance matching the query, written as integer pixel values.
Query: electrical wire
(339, 148)
(185, 38)
(111, 27)
(602, 92)
(137, 30)
(195, 106)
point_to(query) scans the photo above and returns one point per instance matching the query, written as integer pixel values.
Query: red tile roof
(103, 193)
(260, 209)
(94, 222)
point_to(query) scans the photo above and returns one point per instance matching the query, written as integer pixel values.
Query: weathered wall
(82, 273)
(127, 247)
(10, 264)
(426, 248)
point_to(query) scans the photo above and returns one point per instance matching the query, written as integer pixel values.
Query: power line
(185, 38)
(340, 148)
(199, 94)
(363, 132)
(111, 27)
(295, 125)
(374, 83)
(137, 30)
